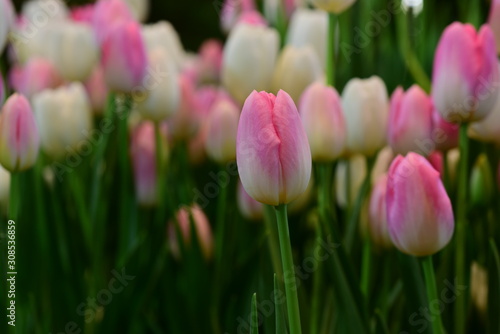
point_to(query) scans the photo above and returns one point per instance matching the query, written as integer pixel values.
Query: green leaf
(493, 289)
(254, 324)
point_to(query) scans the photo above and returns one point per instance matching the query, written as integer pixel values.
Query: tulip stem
(292, 299)
(14, 196)
(160, 172)
(461, 226)
(330, 56)
(432, 296)
(365, 268)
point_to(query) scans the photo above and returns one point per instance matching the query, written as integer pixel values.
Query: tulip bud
(7, 17)
(4, 188)
(365, 106)
(488, 129)
(210, 61)
(83, 14)
(444, 134)
(143, 156)
(382, 163)
(56, 10)
(479, 287)
(36, 76)
(419, 212)
(184, 124)
(222, 127)
(162, 89)
(333, 6)
(321, 113)
(249, 208)
(378, 229)
(138, 8)
(494, 21)
(309, 27)
(163, 34)
(124, 57)
(107, 14)
(356, 165)
(272, 151)
(71, 47)
(296, 69)
(243, 71)
(201, 228)
(465, 76)
(481, 182)
(64, 120)
(97, 90)
(19, 139)
(410, 121)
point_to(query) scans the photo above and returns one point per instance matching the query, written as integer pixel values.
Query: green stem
(365, 268)
(330, 56)
(14, 198)
(430, 284)
(318, 290)
(292, 299)
(446, 173)
(461, 227)
(273, 242)
(160, 173)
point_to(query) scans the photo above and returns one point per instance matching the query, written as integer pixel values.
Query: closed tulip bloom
(249, 57)
(143, 156)
(378, 229)
(419, 212)
(365, 106)
(410, 120)
(162, 93)
(382, 163)
(201, 228)
(436, 160)
(55, 10)
(321, 113)
(296, 69)
(309, 27)
(272, 151)
(7, 17)
(444, 133)
(71, 47)
(107, 14)
(356, 166)
(124, 58)
(163, 34)
(4, 188)
(488, 129)
(184, 123)
(210, 60)
(222, 127)
(83, 14)
(37, 75)
(64, 119)
(249, 208)
(465, 75)
(19, 139)
(333, 6)
(494, 21)
(97, 90)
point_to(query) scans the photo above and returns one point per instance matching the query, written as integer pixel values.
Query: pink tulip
(36, 76)
(232, 10)
(436, 160)
(107, 14)
(84, 14)
(272, 150)
(210, 60)
(249, 208)
(222, 127)
(97, 90)
(494, 21)
(201, 227)
(253, 18)
(378, 229)
(444, 134)
(465, 77)
(321, 112)
(19, 138)
(124, 58)
(419, 212)
(410, 120)
(184, 123)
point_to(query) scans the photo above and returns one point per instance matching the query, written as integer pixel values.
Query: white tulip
(249, 57)
(4, 187)
(357, 173)
(366, 108)
(41, 12)
(64, 120)
(71, 47)
(163, 34)
(487, 129)
(7, 17)
(163, 91)
(296, 69)
(309, 27)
